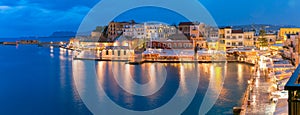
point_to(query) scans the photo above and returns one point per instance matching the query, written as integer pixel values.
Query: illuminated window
(169, 45)
(174, 45)
(184, 45)
(233, 43)
(240, 43)
(154, 44)
(179, 45)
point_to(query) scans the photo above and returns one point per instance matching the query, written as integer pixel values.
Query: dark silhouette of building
(293, 87)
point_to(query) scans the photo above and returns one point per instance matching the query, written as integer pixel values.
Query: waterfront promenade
(138, 59)
(259, 98)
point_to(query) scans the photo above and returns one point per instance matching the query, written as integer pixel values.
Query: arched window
(169, 45)
(184, 45)
(179, 45)
(174, 45)
(154, 45)
(164, 45)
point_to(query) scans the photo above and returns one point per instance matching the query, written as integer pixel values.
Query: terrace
(293, 86)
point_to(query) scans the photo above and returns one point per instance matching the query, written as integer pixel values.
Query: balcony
(293, 86)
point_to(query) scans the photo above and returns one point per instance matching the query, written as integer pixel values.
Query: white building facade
(150, 31)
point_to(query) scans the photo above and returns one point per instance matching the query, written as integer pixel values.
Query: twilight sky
(42, 17)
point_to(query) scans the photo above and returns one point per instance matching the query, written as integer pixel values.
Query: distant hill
(268, 27)
(256, 27)
(63, 34)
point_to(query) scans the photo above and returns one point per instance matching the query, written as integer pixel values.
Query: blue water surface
(38, 80)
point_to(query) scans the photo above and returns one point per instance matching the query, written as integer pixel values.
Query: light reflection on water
(35, 80)
(234, 76)
(34, 77)
(182, 80)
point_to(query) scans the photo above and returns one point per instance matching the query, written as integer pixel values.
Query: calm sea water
(45, 39)
(36, 80)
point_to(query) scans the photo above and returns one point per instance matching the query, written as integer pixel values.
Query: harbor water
(39, 80)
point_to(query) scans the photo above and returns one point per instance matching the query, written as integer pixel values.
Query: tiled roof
(186, 23)
(237, 31)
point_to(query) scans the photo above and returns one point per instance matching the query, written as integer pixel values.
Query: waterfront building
(91, 45)
(293, 87)
(222, 37)
(270, 37)
(199, 33)
(182, 49)
(247, 55)
(170, 44)
(149, 31)
(236, 38)
(115, 29)
(249, 39)
(221, 45)
(96, 34)
(297, 50)
(169, 49)
(158, 31)
(195, 29)
(285, 31)
(291, 47)
(230, 41)
(191, 31)
(212, 45)
(117, 52)
(186, 27)
(135, 31)
(276, 47)
(73, 43)
(281, 65)
(197, 37)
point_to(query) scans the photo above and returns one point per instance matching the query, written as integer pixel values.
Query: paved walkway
(282, 107)
(259, 96)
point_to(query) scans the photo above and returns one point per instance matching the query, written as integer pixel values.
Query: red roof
(186, 23)
(237, 31)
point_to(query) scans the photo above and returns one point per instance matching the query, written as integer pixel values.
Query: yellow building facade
(284, 31)
(222, 45)
(249, 39)
(236, 38)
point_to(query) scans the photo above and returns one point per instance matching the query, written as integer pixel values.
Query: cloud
(53, 4)
(42, 17)
(4, 8)
(28, 18)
